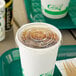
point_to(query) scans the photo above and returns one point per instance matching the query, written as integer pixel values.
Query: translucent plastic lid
(39, 37)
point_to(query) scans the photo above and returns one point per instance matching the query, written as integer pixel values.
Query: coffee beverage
(39, 37)
(38, 46)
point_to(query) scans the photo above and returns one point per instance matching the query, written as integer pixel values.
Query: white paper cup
(55, 9)
(38, 62)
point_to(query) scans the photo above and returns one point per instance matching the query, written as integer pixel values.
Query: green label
(47, 74)
(54, 9)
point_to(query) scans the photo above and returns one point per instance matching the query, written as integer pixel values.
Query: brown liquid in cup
(37, 37)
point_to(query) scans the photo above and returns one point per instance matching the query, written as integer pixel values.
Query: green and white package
(55, 8)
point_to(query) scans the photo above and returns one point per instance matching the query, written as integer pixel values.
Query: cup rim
(19, 30)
